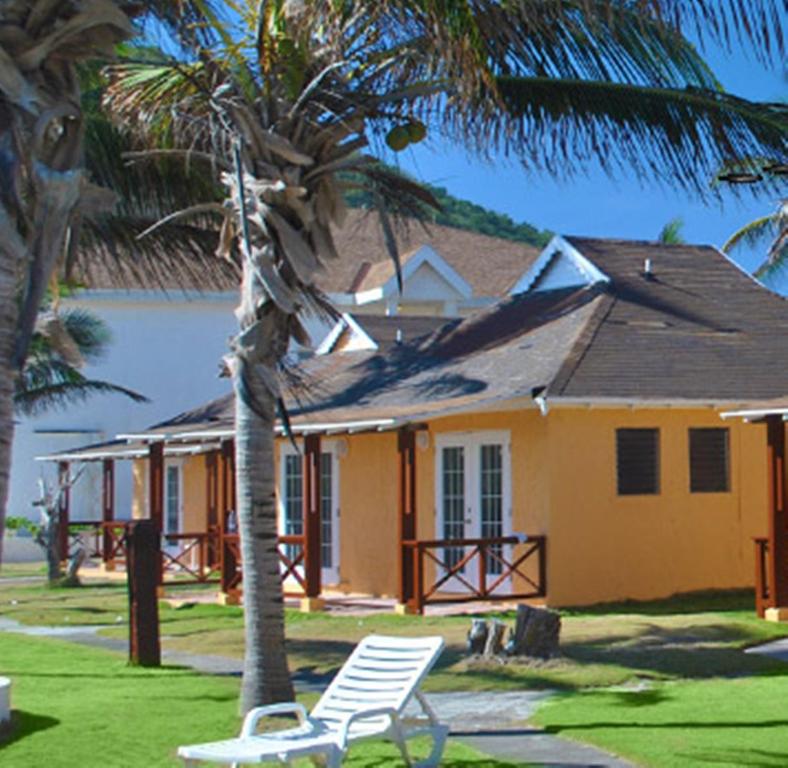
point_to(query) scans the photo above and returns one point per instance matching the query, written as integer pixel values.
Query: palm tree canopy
(769, 231)
(61, 344)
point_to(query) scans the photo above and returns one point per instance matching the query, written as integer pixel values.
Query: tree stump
(477, 636)
(536, 633)
(495, 635)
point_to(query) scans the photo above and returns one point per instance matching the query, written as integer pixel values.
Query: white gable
(426, 276)
(560, 265)
(358, 340)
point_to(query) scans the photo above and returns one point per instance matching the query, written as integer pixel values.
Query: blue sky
(597, 206)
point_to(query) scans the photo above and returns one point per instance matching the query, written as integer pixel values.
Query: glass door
(473, 501)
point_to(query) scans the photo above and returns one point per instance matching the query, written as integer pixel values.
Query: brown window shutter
(709, 462)
(637, 461)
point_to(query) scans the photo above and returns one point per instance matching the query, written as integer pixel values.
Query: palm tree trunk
(266, 678)
(8, 318)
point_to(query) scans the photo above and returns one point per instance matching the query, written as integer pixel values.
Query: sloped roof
(489, 264)
(696, 329)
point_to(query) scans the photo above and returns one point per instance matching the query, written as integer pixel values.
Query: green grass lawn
(665, 682)
(717, 722)
(77, 706)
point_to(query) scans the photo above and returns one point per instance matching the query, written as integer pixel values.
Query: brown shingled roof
(490, 265)
(697, 329)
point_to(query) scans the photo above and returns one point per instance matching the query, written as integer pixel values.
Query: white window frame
(327, 575)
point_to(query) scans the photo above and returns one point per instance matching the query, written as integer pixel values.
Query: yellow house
(565, 445)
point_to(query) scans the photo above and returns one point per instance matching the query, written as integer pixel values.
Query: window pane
(172, 500)
(491, 500)
(637, 461)
(326, 512)
(292, 502)
(709, 463)
(453, 481)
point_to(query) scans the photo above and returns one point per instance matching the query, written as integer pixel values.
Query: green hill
(464, 214)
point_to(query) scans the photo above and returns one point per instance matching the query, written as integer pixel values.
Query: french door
(473, 500)
(291, 512)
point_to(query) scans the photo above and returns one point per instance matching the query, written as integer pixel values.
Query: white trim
(756, 413)
(177, 464)
(360, 339)
(424, 255)
(558, 246)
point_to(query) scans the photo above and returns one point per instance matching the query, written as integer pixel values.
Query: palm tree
(46, 196)
(770, 231)
(62, 343)
(281, 96)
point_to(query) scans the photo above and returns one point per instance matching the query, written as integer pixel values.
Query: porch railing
(105, 540)
(465, 570)
(762, 587)
(291, 559)
(189, 559)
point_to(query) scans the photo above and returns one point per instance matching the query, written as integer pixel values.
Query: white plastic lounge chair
(365, 700)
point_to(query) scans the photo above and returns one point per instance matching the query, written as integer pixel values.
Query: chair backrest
(381, 672)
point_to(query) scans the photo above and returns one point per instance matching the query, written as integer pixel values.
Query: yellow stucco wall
(603, 546)
(139, 470)
(195, 501)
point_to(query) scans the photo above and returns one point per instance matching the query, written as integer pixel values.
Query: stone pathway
(777, 649)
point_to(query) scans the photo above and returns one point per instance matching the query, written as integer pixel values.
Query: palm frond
(679, 137)
(38, 400)
(753, 234)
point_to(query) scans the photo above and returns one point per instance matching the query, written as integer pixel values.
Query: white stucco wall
(166, 348)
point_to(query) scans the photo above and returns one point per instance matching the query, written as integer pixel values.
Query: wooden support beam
(143, 564)
(311, 509)
(406, 446)
(64, 502)
(107, 506)
(212, 505)
(778, 518)
(156, 494)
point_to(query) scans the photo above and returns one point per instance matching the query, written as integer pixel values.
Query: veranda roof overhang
(758, 411)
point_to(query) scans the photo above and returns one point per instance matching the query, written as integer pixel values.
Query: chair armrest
(254, 716)
(363, 714)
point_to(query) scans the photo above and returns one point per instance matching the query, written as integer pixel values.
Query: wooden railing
(190, 561)
(464, 570)
(762, 588)
(105, 540)
(291, 562)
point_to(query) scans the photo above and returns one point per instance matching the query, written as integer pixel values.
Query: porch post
(212, 502)
(64, 501)
(406, 519)
(156, 493)
(311, 509)
(107, 510)
(778, 520)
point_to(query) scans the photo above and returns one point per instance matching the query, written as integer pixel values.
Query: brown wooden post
(229, 564)
(64, 501)
(406, 446)
(143, 563)
(778, 520)
(107, 509)
(212, 501)
(156, 494)
(311, 509)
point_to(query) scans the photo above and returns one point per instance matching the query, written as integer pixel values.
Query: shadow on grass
(555, 728)
(697, 653)
(24, 724)
(687, 602)
(755, 758)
